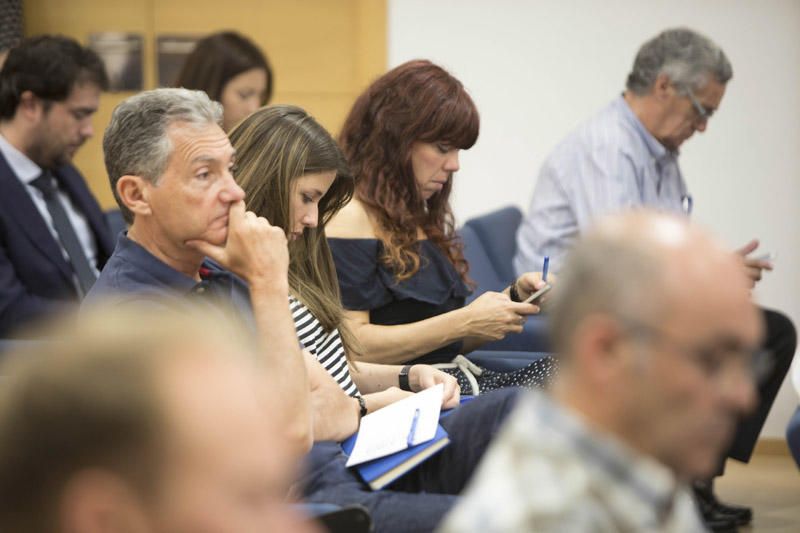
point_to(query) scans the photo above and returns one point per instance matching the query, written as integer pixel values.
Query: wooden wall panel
(324, 52)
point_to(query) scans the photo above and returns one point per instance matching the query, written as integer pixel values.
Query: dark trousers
(780, 341)
(420, 499)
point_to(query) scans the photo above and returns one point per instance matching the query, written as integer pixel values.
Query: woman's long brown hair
(415, 102)
(274, 146)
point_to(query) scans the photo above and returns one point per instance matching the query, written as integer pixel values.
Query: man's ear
(662, 87)
(96, 501)
(133, 191)
(30, 105)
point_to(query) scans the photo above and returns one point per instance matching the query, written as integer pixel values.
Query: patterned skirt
(475, 380)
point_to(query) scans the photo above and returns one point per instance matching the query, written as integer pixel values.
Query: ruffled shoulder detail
(366, 283)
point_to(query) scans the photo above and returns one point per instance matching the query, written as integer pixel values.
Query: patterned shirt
(609, 164)
(547, 471)
(326, 347)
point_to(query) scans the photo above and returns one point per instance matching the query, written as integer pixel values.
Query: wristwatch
(402, 378)
(512, 292)
(362, 406)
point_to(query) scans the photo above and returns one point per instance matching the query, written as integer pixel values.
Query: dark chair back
(489, 248)
(793, 436)
(498, 233)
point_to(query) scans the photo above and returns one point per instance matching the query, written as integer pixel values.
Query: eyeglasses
(715, 362)
(703, 114)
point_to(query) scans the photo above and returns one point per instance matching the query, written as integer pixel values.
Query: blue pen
(412, 432)
(545, 267)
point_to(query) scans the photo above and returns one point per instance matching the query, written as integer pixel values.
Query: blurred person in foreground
(137, 421)
(658, 338)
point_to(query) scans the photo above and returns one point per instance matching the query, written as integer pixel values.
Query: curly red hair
(414, 102)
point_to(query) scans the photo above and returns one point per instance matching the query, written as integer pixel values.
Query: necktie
(66, 233)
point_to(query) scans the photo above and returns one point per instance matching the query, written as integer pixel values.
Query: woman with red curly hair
(400, 264)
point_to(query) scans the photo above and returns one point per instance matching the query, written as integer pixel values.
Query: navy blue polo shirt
(134, 274)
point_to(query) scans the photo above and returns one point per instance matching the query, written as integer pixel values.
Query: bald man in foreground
(111, 430)
(657, 334)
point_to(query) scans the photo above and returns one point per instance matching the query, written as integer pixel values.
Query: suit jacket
(35, 279)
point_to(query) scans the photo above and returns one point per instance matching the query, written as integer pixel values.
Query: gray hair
(609, 275)
(686, 57)
(136, 142)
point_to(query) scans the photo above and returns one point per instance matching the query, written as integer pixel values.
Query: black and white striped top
(326, 347)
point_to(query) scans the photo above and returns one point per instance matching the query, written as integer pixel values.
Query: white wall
(537, 69)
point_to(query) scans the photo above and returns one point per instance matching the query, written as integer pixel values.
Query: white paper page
(386, 431)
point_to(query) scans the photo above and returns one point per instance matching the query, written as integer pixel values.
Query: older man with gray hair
(626, 157)
(169, 164)
(658, 337)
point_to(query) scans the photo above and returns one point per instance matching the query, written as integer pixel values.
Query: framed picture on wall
(122, 56)
(171, 52)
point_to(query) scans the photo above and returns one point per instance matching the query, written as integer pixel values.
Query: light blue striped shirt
(608, 164)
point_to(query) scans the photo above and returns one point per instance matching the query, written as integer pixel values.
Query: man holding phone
(626, 157)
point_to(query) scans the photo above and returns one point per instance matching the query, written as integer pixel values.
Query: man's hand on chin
(255, 250)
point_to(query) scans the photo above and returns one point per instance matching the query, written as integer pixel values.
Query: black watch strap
(512, 292)
(362, 405)
(402, 378)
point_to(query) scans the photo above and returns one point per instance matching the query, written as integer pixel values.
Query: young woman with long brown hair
(294, 175)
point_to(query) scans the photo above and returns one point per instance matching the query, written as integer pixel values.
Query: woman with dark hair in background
(400, 264)
(232, 70)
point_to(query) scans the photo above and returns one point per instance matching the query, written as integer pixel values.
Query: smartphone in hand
(535, 298)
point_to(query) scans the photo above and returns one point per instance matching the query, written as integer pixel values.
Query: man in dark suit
(53, 236)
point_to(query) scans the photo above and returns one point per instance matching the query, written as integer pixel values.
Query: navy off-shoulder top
(368, 285)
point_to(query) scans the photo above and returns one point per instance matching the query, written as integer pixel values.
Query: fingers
(530, 282)
(748, 248)
(236, 213)
(754, 273)
(760, 264)
(523, 308)
(453, 401)
(451, 395)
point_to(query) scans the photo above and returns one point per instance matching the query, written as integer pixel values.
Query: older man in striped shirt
(626, 157)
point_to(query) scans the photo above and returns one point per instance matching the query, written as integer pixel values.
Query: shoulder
(597, 147)
(72, 177)
(352, 222)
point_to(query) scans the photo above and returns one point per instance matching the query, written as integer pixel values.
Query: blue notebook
(380, 472)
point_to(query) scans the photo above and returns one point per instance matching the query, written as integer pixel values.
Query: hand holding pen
(530, 283)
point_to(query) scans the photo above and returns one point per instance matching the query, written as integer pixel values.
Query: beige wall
(323, 52)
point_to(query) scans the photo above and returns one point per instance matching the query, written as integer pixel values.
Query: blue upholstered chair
(489, 247)
(497, 232)
(793, 428)
(793, 436)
